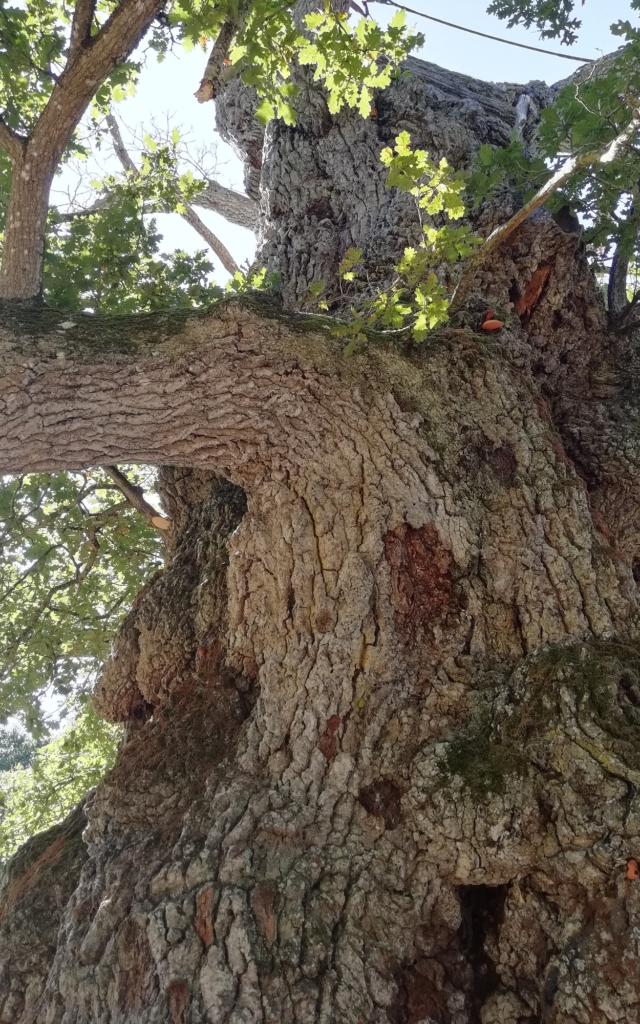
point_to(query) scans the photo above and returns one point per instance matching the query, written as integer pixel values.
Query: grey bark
(382, 721)
(233, 206)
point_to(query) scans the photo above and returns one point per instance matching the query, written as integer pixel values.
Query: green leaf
(266, 111)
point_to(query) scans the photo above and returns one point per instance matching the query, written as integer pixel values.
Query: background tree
(381, 704)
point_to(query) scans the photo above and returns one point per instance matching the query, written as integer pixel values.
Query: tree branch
(233, 206)
(12, 143)
(135, 497)
(214, 71)
(87, 69)
(563, 174)
(121, 150)
(617, 286)
(81, 26)
(212, 240)
(189, 215)
(228, 391)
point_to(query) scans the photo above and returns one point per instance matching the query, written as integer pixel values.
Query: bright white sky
(166, 90)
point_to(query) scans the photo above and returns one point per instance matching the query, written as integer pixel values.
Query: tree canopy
(76, 547)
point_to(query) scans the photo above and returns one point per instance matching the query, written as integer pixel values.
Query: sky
(165, 90)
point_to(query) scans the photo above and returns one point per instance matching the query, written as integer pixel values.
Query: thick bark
(23, 244)
(382, 721)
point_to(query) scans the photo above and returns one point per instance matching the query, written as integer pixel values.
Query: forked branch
(189, 214)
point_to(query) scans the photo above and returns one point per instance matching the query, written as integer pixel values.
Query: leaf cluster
(417, 300)
(349, 61)
(37, 795)
(73, 554)
(553, 18)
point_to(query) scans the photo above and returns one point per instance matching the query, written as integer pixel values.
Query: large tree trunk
(383, 713)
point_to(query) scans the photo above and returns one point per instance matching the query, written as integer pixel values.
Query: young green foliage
(349, 61)
(37, 795)
(417, 300)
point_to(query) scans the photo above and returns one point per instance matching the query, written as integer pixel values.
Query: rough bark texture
(382, 748)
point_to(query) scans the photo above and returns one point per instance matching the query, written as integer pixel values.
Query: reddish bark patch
(329, 740)
(382, 798)
(203, 922)
(178, 998)
(420, 995)
(421, 574)
(503, 462)
(136, 978)
(527, 302)
(31, 876)
(208, 660)
(263, 901)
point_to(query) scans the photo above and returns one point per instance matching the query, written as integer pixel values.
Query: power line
(486, 35)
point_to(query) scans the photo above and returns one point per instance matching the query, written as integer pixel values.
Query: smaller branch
(189, 215)
(12, 143)
(233, 206)
(214, 71)
(563, 174)
(81, 26)
(212, 240)
(135, 497)
(617, 286)
(121, 150)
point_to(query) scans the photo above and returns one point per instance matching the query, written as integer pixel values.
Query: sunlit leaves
(417, 300)
(349, 61)
(259, 280)
(553, 18)
(37, 795)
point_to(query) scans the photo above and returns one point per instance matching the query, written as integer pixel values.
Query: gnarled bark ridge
(383, 705)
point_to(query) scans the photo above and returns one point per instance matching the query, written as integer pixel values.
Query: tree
(381, 704)
(16, 748)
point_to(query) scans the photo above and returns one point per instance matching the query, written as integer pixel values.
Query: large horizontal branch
(232, 390)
